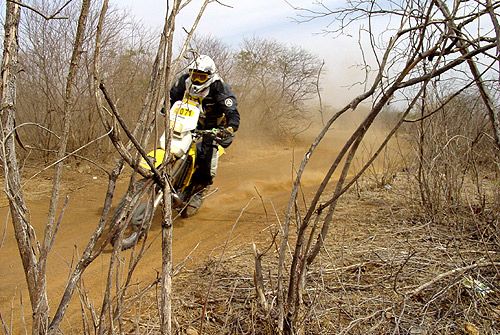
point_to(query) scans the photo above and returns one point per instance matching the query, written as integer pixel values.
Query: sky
(271, 19)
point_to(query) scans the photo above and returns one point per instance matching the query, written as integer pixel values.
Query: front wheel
(137, 226)
(136, 215)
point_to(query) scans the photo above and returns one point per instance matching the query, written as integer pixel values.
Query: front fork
(177, 201)
(158, 199)
(181, 178)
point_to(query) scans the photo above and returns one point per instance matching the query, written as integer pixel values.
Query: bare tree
(464, 42)
(34, 256)
(275, 82)
(126, 49)
(221, 53)
(164, 68)
(417, 48)
(34, 252)
(451, 145)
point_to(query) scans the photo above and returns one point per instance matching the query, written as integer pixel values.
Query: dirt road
(248, 171)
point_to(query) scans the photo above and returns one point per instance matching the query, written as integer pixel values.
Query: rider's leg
(207, 163)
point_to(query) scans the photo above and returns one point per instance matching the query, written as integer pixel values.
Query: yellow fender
(157, 156)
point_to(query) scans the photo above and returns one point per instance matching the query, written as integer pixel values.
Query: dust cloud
(255, 167)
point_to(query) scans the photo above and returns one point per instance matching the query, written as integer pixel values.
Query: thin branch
(4, 325)
(30, 124)
(447, 274)
(72, 153)
(50, 17)
(444, 103)
(223, 4)
(132, 138)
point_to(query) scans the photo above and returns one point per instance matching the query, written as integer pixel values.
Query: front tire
(139, 224)
(139, 214)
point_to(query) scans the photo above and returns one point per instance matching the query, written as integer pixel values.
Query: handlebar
(213, 131)
(218, 134)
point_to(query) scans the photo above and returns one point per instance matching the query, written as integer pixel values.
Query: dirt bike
(180, 166)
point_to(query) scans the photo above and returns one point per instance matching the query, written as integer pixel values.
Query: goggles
(198, 77)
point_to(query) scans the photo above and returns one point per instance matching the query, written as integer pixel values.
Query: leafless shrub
(392, 159)
(418, 50)
(33, 251)
(385, 270)
(76, 91)
(275, 83)
(221, 53)
(46, 50)
(455, 154)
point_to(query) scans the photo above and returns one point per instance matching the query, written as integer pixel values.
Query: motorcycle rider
(219, 111)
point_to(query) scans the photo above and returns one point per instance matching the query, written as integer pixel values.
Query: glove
(162, 111)
(225, 137)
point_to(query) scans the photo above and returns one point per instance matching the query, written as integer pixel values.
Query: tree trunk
(23, 231)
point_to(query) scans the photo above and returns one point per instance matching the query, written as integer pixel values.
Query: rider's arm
(177, 90)
(229, 106)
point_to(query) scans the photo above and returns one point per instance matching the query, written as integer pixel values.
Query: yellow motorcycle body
(180, 164)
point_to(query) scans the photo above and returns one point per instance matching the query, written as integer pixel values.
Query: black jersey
(220, 101)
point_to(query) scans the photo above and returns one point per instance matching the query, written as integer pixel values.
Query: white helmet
(201, 74)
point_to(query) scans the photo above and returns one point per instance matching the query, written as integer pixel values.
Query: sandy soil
(248, 171)
(379, 250)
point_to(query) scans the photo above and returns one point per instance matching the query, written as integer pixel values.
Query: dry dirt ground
(247, 167)
(368, 280)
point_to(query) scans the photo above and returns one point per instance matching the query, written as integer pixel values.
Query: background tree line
(272, 81)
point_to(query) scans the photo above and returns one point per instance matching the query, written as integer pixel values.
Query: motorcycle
(180, 166)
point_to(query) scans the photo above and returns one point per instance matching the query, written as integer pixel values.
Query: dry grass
(385, 270)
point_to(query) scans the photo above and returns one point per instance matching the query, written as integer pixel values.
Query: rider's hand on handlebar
(225, 136)
(226, 132)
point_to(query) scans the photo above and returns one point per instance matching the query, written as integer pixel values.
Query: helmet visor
(198, 77)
